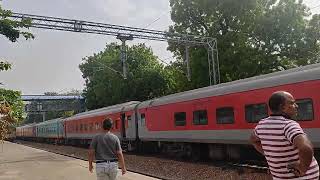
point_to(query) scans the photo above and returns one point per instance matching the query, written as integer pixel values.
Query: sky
(50, 62)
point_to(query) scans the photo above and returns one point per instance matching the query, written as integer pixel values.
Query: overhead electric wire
(157, 19)
(110, 68)
(164, 60)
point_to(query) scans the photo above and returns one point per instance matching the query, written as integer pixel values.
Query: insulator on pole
(123, 55)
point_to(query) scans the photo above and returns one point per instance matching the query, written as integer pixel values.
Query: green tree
(4, 66)
(105, 85)
(11, 105)
(51, 94)
(67, 114)
(254, 36)
(177, 77)
(11, 110)
(72, 92)
(11, 30)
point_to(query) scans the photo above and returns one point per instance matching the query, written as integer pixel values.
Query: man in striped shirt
(281, 140)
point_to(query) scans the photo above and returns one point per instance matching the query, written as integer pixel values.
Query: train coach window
(128, 119)
(200, 117)
(255, 112)
(180, 119)
(305, 110)
(143, 119)
(225, 115)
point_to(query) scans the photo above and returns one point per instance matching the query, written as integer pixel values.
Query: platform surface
(18, 162)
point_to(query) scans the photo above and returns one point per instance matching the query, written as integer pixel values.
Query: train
(214, 121)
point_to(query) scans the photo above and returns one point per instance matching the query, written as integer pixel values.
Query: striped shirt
(276, 134)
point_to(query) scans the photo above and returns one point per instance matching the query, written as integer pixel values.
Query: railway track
(256, 168)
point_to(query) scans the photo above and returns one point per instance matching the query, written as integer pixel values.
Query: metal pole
(213, 68)
(123, 38)
(123, 58)
(188, 65)
(209, 65)
(219, 79)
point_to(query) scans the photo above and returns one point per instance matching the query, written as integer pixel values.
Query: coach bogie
(176, 150)
(217, 152)
(179, 150)
(233, 152)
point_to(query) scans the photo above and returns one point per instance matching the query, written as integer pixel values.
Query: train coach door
(123, 125)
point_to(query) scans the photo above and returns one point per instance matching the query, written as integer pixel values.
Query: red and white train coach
(214, 121)
(28, 132)
(81, 128)
(219, 119)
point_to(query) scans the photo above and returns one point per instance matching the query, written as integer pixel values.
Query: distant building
(42, 107)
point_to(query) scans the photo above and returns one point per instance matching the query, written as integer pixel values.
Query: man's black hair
(276, 101)
(107, 124)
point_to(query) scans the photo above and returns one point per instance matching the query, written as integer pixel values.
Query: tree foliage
(106, 86)
(254, 36)
(11, 29)
(11, 110)
(67, 114)
(4, 66)
(72, 92)
(11, 105)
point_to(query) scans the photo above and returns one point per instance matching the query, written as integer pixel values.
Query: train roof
(26, 125)
(44, 97)
(49, 121)
(295, 75)
(128, 106)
